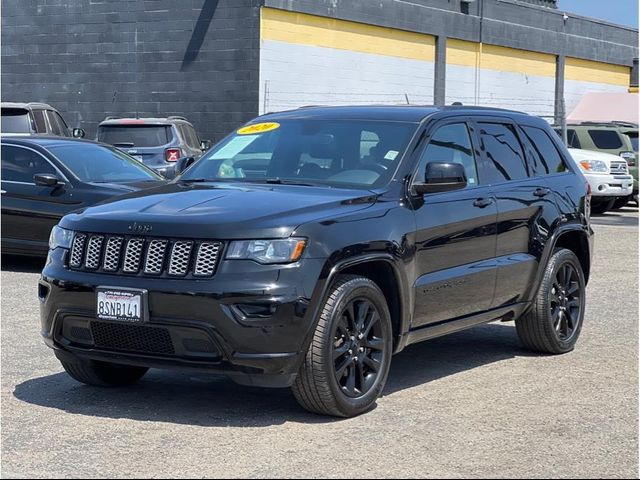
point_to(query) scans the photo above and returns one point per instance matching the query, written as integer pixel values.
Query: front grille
(618, 168)
(144, 256)
(132, 338)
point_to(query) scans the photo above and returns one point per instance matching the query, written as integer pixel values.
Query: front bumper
(610, 185)
(251, 324)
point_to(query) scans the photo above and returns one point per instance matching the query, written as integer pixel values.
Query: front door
(30, 211)
(455, 235)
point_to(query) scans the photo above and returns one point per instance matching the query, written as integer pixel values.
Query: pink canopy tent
(606, 107)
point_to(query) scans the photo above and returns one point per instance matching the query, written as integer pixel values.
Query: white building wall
(294, 75)
(502, 89)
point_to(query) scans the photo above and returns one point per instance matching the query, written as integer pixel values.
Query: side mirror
(205, 145)
(78, 133)
(182, 164)
(47, 180)
(442, 177)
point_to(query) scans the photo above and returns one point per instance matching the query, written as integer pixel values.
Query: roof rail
(176, 117)
(111, 117)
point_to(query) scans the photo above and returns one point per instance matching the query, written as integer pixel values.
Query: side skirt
(439, 329)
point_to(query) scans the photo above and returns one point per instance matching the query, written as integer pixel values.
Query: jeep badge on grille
(140, 228)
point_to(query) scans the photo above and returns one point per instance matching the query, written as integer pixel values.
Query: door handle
(541, 192)
(3, 192)
(483, 202)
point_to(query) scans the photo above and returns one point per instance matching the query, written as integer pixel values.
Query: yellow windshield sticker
(258, 128)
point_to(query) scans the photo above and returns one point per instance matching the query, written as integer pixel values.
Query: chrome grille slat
(94, 252)
(180, 257)
(206, 259)
(154, 260)
(77, 250)
(111, 260)
(618, 167)
(133, 255)
(144, 256)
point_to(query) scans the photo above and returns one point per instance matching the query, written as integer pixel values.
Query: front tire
(346, 366)
(555, 320)
(103, 374)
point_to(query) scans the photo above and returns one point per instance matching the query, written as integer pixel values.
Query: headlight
(596, 166)
(60, 237)
(267, 251)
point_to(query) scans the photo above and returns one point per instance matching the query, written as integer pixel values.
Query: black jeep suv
(309, 246)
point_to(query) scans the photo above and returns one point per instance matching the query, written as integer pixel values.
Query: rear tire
(602, 206)
(103, 374)
(346, 366)
(554, 322)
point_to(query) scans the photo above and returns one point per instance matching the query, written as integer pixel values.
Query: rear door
(455, 234)
(525, 205)
(30, 211)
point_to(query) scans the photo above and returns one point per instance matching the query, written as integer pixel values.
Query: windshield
(15, 120)
(341, 153)
(97, 163)
(134, 135)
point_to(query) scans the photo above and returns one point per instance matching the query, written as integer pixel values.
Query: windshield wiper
(195, 180)
(123, 144)
(280, 181)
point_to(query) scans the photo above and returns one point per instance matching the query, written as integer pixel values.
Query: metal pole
(563, 113)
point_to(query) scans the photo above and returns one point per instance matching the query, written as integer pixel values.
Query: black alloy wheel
(358, 347)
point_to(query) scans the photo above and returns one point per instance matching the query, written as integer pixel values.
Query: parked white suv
(607, 174)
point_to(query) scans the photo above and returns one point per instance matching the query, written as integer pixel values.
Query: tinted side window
(193, 137)
(543, 154)
(20, 164)
(56, 128)
(450, 144)
(505, 159)
(606, 139)
(572, 139)
(41, 125)
(62, 125)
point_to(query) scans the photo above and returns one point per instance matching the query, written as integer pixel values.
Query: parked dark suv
(309, 246)
(156, 142)
(35, 118)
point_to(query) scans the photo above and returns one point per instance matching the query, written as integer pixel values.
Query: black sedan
(44, 178)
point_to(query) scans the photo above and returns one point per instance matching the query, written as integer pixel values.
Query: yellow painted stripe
(597, 72)
(303, 29)
(502, 59)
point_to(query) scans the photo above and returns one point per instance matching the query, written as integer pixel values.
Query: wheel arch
(383, 270)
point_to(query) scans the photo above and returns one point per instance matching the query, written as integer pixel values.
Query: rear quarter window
(542, 152)
(606, 139)
(135, 135)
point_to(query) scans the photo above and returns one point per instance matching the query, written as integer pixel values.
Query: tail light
(172, 154)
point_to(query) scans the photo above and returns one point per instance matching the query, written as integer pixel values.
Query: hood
(581, 154)
(218, 211)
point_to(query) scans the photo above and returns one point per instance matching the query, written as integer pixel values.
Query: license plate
(121, 305)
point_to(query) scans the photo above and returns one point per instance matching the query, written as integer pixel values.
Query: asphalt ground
(473, 404)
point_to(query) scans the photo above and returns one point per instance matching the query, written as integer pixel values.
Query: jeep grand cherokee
(309, 246)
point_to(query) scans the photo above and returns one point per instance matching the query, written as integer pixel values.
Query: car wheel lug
(361, 349)
(355, 359)
(350, 352)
